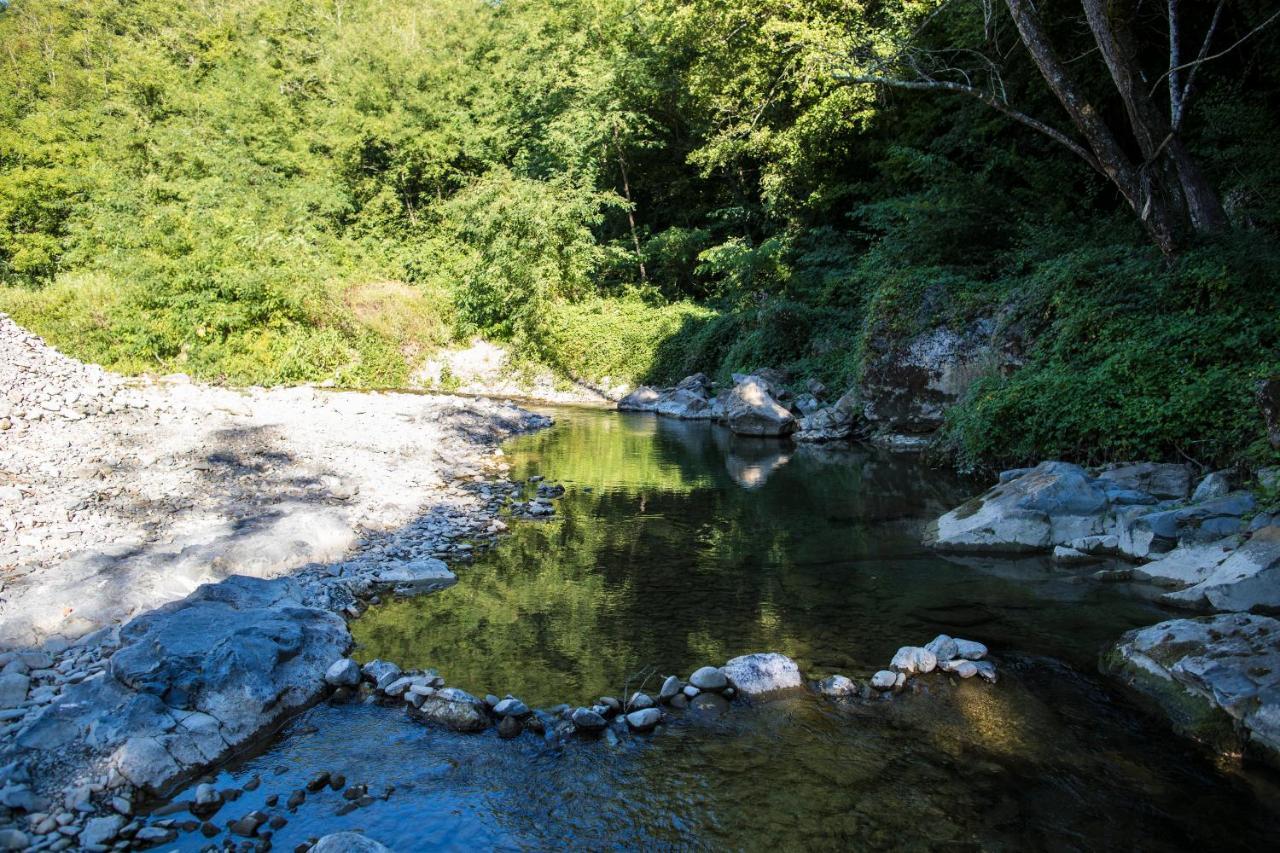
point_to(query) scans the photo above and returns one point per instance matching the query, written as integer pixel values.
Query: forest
(280, 191)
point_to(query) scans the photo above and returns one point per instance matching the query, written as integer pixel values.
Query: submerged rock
(762, 672)
(1217, 678)
(348, 842)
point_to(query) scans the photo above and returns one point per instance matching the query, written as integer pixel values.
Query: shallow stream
(678, 545)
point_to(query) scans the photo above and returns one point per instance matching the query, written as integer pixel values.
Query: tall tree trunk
(631, 216)
(1133, 181)
(1191, 201)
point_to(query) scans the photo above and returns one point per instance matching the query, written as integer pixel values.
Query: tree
(1163, 184)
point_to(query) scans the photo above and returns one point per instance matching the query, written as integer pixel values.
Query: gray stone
(1217, 677)
(752, 410)
(511, 707)
(417, 577)
(708, 678)
(454, 709)
(837, 685)
(1214, 485)
(686, 404)
(207, 795)
(1164, 480)
(836, 422)
(639, 701)
(908, 385)
(645, 719)
(690, 691)
(884, 680)
(381, 673)
(156, 835)
(13, 839)
(348, 842)
(1248, 579)
(970, 649)
(101, 830)
(914, 659)
(13, 689)
(963, 668)
(343, 673)
(587, 720)
(643, 399)
(987, 670)
(1054, 503)
(943, 647)
(762, 672)
(670, 687)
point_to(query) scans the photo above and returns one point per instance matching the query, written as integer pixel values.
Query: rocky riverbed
(174, 560)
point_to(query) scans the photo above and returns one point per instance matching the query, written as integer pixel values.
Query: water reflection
(669, 562)
(659, 558)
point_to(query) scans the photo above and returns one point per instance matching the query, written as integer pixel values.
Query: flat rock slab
(1247, 579)
(1216, 677)
(193, 680)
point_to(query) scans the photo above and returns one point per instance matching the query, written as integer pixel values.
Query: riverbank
(1212, 542)
(175, 557)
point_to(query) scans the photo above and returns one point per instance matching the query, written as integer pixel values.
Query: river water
(678, 545)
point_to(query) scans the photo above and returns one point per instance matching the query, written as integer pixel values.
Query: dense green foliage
(280, 191)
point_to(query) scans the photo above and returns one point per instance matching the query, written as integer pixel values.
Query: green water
(677, 545)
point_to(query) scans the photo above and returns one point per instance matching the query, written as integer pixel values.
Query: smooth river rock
(914, 659)
(763, 672)
(343, 673)
(708, 678)
(454, 709)
(645, 719)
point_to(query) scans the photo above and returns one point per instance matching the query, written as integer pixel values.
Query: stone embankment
(1213, 544)
(174, 559)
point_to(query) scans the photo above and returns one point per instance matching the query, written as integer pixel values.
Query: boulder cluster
(758, 404)
(942, 654)
(1213, 545)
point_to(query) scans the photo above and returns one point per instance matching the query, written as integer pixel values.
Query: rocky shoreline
(177, 560)
(1213, 543)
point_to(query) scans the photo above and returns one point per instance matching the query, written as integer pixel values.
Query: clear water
(678, 545)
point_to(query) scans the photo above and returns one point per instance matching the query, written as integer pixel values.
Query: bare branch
(991, 101)
(1200, 60)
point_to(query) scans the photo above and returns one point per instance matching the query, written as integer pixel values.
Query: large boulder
(1217, 678)
(196, 679)
(1248, 579)
(908, 386)
(836, 422)
(762, 672)
(1143, 533)
(686, 404)
(643, 399)
(1164, 480)
(1051, 504)
(752, 410)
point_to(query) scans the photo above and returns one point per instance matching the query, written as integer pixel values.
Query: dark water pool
(677, 545)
